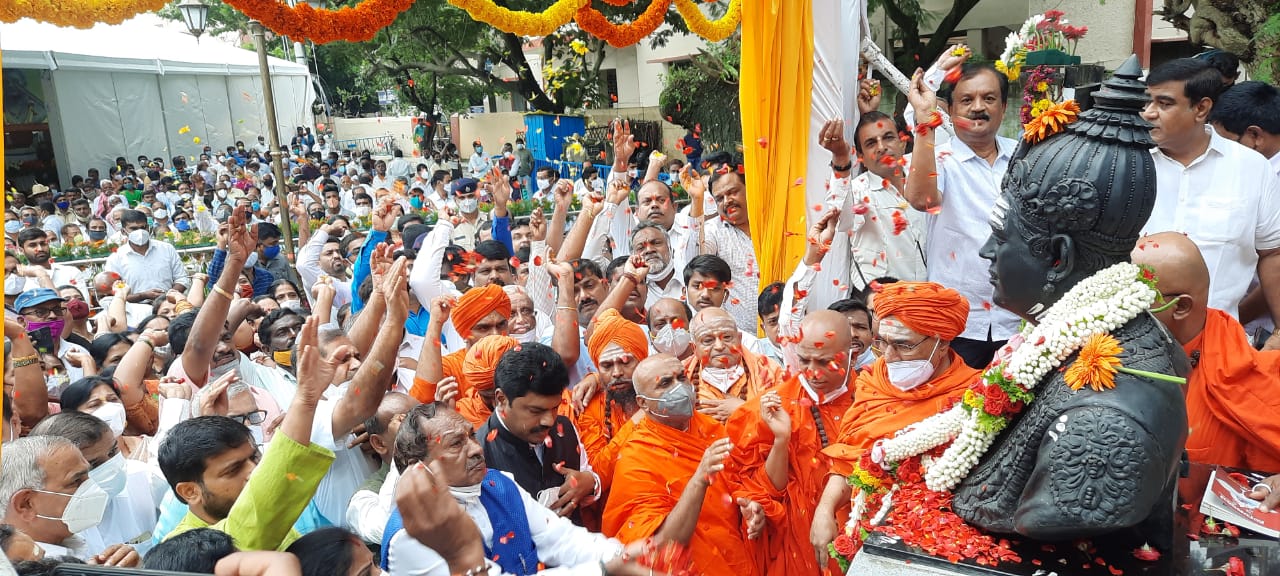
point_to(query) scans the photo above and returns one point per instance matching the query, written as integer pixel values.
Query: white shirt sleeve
(562, 543)
(309, 261)
(600, 227)
(366, 517)
(539, 284)
(424, 277)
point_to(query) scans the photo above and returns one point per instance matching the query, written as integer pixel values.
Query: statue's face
(1017, 274)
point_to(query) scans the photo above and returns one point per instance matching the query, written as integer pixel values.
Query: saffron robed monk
(786, 473)
(918, 375)
(617, 346)
(674, 477)
(1233, 391)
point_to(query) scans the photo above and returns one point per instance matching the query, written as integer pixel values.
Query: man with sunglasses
(44, 308)
(918, 375)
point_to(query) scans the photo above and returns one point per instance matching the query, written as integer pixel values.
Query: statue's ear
(1063, 251)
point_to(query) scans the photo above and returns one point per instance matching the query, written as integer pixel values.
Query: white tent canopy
(146, 86)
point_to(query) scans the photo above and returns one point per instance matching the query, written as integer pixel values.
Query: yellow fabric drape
(777, 75)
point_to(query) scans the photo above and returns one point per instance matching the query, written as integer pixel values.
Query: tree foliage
(909, 17)
(1248, 28)
(704, 94)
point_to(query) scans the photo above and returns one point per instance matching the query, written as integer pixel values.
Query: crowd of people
(615, 391)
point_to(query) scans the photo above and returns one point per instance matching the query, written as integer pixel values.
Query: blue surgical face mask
(64, 205)
(255, 206)
(12, 226)
(415, 202)
(182, 225)
(270, 252)
(151, 222)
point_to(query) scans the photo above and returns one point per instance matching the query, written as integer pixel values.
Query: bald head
(655, 370)
(666, 310)
(708, 318)
(1177, 262)
(825, 330)
(823, 351)
(1183, 280)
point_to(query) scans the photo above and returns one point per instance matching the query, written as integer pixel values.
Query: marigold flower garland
(302, 22)
(77, 13)
(622, 35)
(1052, 120)
(519, 22)
(713, 31)
(595, 23)
(948, 444)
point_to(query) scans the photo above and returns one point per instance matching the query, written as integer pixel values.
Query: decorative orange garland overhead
(519, 22)
(302, 22)
(621, 36)
(595, 23)
(76, 13)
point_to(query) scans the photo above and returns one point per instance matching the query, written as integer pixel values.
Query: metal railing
(373, 144)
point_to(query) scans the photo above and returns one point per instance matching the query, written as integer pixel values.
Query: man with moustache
(616, 345)
(958, 185)
(528, 438)
(653, 244)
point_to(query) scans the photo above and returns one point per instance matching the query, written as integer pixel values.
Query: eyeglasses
(252, 418)
(46, 312)
(882, 346)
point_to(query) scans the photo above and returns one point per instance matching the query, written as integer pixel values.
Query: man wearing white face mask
(48, 494)
(917, 376)
(723, 371)
(652, 243)
(150, 267)
(133, 494)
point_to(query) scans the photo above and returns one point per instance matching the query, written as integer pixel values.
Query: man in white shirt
(398, 167)
(653, 244)
(35, 246)
(1222, 195)
(887, 236)
(729, 236)
(478, 165)
(1249, 113)
(150, 267)
(443, 440)
(958, 185)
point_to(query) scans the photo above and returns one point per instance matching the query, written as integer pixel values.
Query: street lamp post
(195, 14)
(277, 168)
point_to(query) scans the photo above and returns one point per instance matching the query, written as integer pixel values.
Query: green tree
(1249, 29)
(703, 95)
(908, 16)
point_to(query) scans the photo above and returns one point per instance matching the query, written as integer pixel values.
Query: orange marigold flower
(1051, 121)
(1096, 365)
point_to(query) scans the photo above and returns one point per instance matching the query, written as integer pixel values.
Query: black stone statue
(1078, 464)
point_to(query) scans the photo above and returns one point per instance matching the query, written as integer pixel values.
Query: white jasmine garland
(1099, 304)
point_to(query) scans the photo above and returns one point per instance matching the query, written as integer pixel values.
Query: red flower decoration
(910, 472)
(1146, 553)
(1235, 567)
(845, 546)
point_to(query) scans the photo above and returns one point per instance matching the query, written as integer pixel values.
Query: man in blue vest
(520, 535)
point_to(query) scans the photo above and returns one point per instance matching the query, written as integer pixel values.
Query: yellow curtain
(777, 74)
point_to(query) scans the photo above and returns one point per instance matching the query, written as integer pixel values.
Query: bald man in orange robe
(917, 321)
(672, 482)
(724, 373)
(479, 312)
(617, 346)
(815, 399)
(1233, 391)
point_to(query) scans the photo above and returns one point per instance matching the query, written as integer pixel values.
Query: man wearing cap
(466, 233)
(918, 375)
(41, 308)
